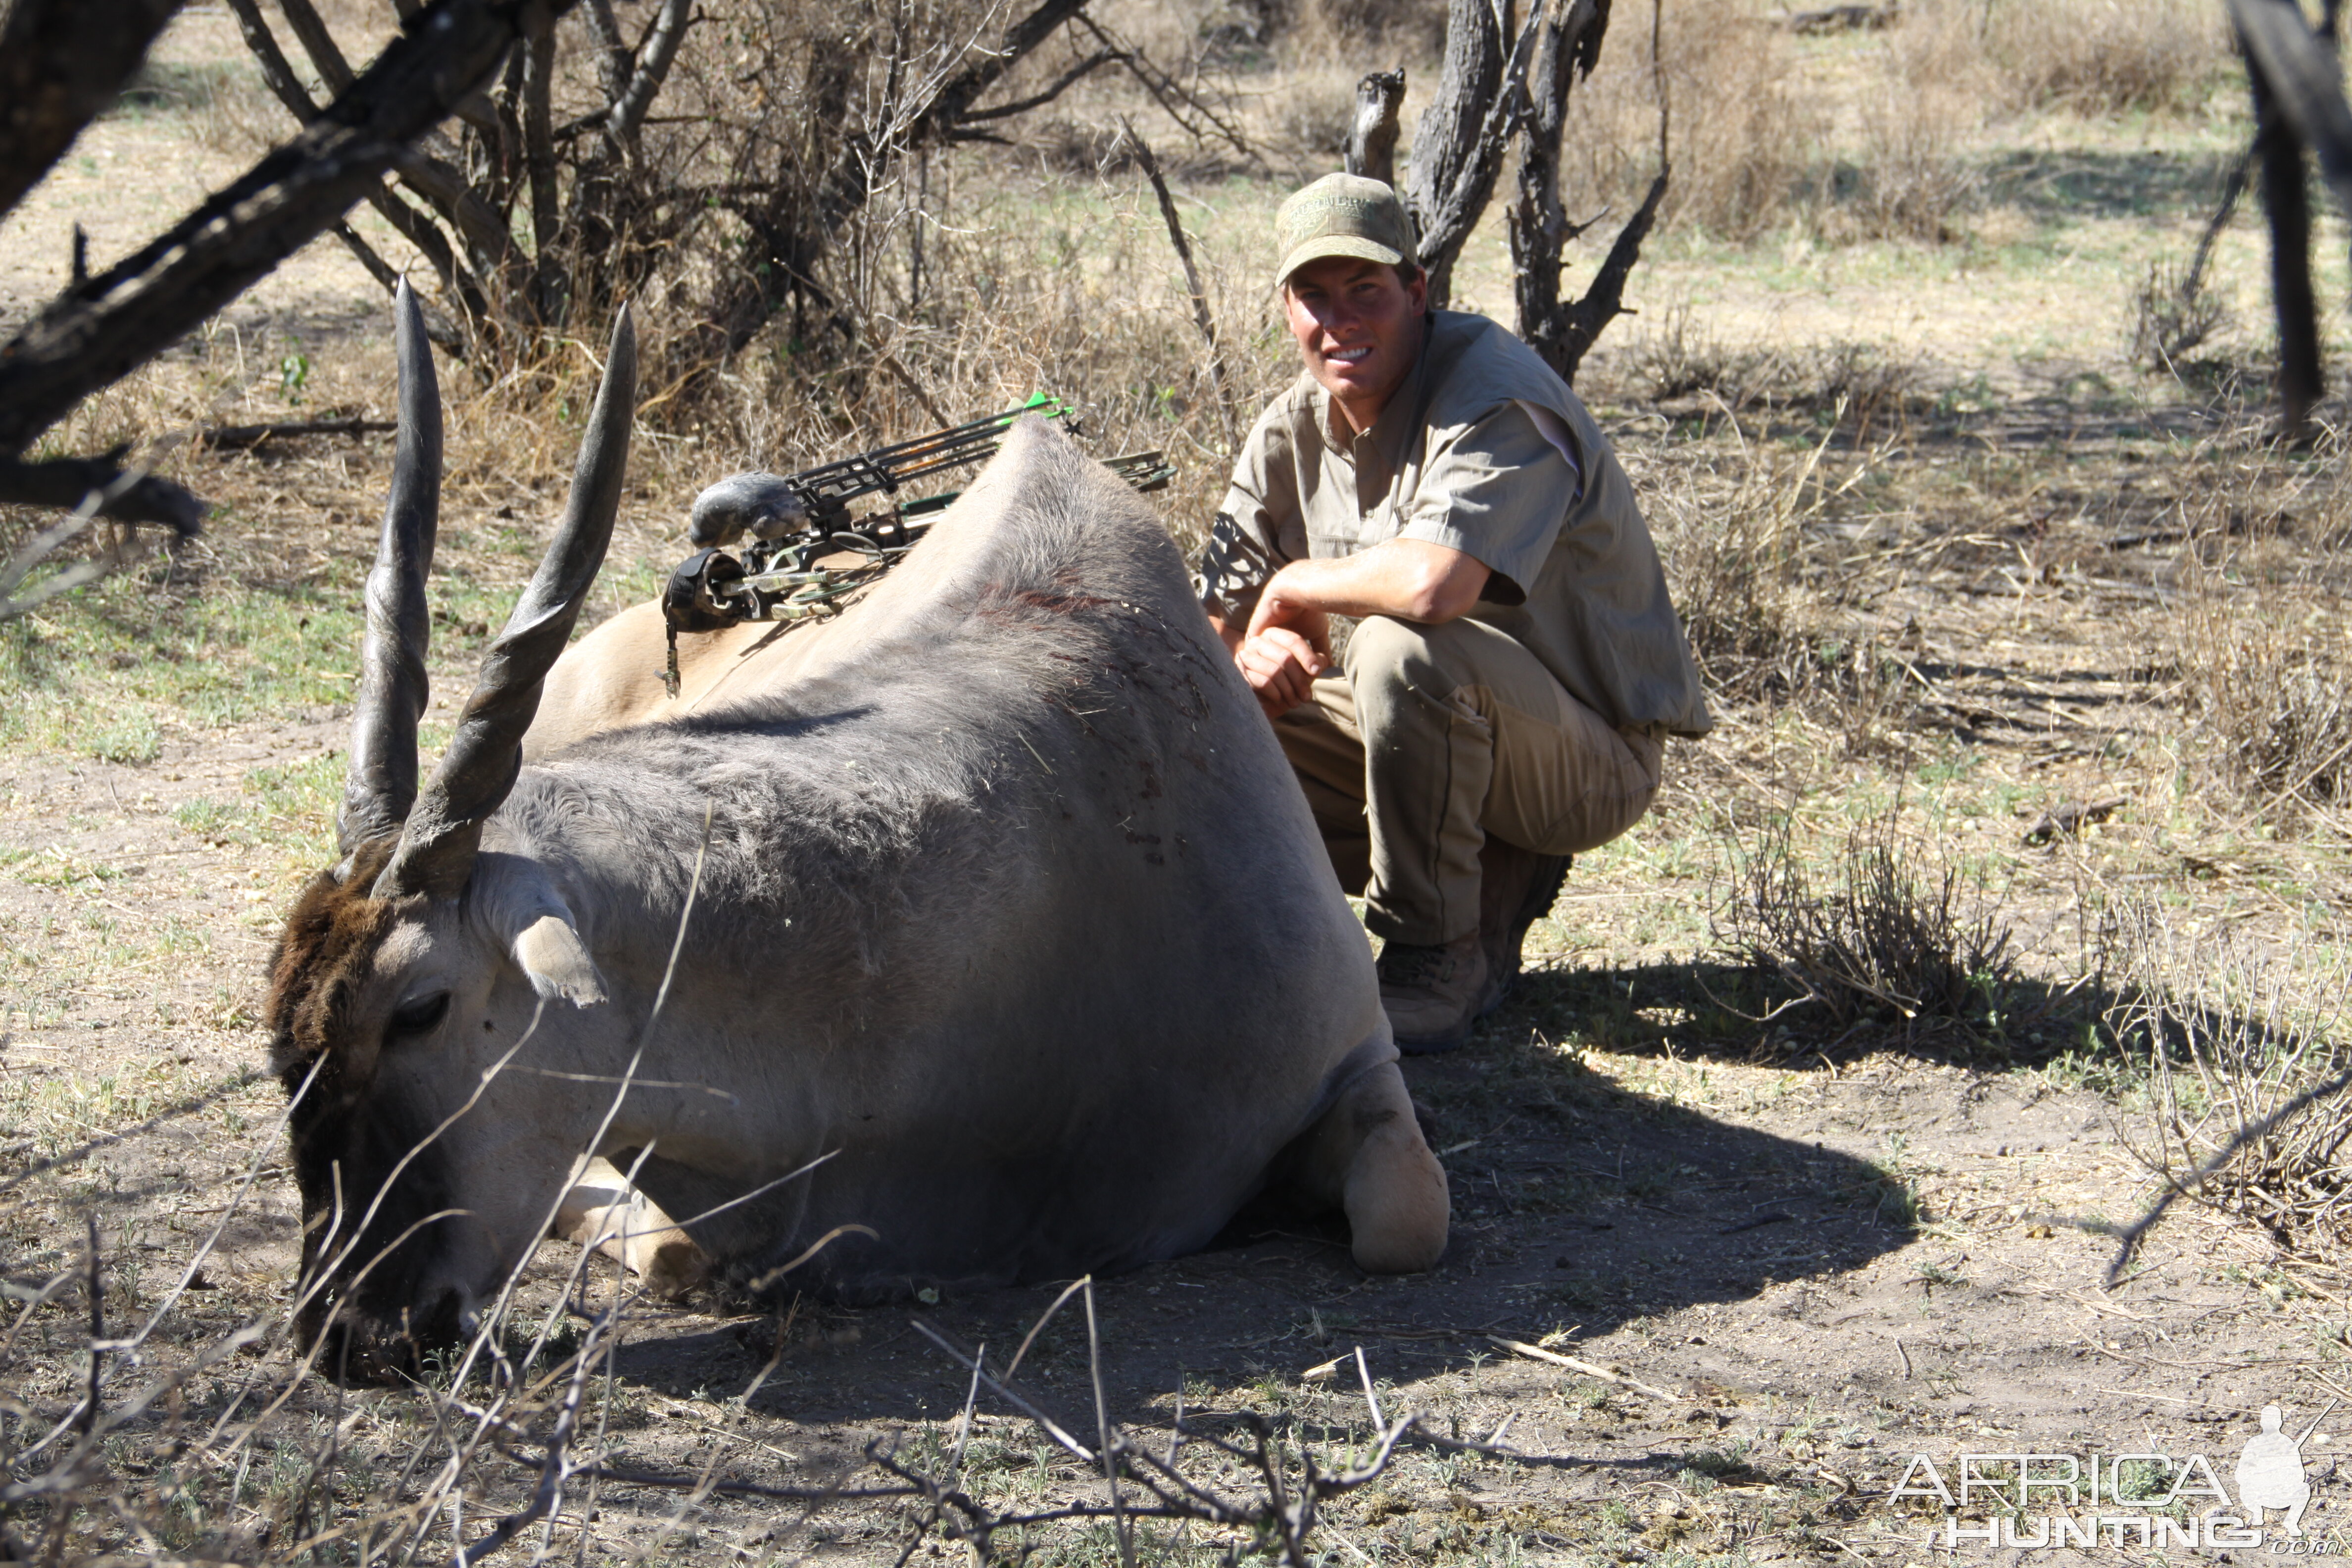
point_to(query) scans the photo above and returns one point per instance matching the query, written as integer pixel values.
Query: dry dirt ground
(1797, 1257)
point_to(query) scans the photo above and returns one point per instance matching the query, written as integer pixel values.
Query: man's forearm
(1406, 578)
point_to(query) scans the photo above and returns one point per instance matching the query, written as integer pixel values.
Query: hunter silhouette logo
(2147, 1498)
(2269, 1472)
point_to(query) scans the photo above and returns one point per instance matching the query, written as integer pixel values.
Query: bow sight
(805, 549)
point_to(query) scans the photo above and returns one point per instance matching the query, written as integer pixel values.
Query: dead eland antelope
(1006, 902)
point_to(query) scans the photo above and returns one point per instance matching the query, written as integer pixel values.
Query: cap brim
(1329, 245)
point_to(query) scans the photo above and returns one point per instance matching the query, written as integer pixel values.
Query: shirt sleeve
(1245, 546)
(1498, 492)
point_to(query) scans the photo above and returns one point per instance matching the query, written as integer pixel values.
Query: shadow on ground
(1578, 1204)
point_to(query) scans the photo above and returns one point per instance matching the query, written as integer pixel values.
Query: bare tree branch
(539, 158)
(1060, 85)
(1458, 146)
(654, 57)
(276, 70)
(125, 496)
(319, 44)
(1201, 317)
(612, 54)
(433, 179)
(1604, 302)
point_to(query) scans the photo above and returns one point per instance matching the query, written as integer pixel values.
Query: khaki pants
(1430, 738)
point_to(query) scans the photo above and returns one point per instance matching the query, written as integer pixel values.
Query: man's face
(1359, 329)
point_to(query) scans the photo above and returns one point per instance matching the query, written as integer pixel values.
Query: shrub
(2173, 314)
(1884, 934)
(2105, 57)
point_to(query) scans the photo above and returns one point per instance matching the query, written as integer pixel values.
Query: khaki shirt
(1484, 450)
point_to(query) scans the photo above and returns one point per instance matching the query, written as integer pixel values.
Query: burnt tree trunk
(61, 61)
(1456, 154)
(1566, 48)
(2286, 201)
(2298, 88)
(1372, 134)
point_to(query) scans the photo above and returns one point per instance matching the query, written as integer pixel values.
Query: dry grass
(2241, 1047)
(1870, 135)
(2264, 684)
(2101, 57)
(2259, 646)
(1744, 132)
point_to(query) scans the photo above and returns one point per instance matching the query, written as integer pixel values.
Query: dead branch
(1580, 325)
(1562, 331)
(654, 57)
(245, 436)
(1053, 89)
(319, 44)
(123, 495)
(1201, 317)
(1459, 140)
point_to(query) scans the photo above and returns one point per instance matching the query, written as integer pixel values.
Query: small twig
(970, 1398)
(1371, 1400)
(1102, 1433)
(97, 1333)
(554, 1469)
(1053, 1429)
(1588, 1369)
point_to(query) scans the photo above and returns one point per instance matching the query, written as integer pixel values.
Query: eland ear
(515, 904)
(549, 951)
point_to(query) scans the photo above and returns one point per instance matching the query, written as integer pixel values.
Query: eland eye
(425, 1012)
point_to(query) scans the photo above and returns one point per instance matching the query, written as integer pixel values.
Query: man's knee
(1387, 658)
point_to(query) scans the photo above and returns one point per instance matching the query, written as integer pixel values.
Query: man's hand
(1280, 663)
(1289, 640)
(1281, 666)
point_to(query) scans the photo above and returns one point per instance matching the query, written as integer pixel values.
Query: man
(1516, 665)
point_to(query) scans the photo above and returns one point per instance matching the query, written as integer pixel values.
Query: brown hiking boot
(1431, 995)
(1516, 887)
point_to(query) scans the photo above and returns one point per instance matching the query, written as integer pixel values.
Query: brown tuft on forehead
(333, 930)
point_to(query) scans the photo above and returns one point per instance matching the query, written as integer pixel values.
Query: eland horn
(438, 839)
(380, 785)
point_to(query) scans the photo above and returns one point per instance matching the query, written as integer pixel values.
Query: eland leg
(1367, 1157)
(601, 1211)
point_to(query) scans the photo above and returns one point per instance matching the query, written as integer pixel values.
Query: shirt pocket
(1335, 531)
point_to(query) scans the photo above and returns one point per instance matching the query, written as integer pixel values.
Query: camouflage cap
(1342, 215)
